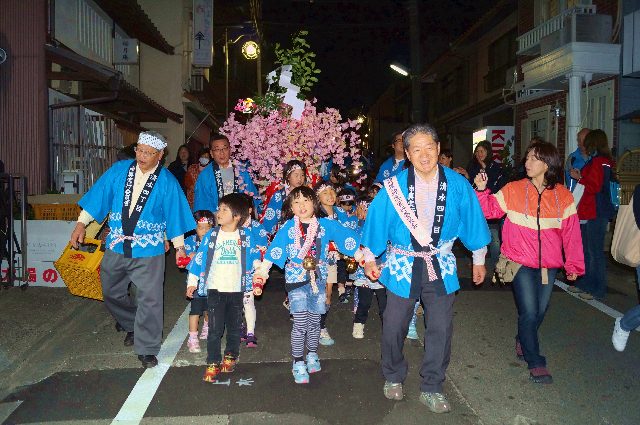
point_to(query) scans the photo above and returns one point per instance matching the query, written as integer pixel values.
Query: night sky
(356, 40)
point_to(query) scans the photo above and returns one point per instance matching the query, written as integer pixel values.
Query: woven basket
(80, 269)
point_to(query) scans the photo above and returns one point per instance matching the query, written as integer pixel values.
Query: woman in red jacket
(595, 210)
(541, 225)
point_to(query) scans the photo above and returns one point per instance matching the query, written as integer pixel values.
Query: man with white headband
(144, 202)
(221, 178)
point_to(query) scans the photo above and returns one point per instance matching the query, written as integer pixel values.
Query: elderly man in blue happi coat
(144, 202)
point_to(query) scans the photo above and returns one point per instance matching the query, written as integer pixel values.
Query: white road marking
(134, 408)
(593, 303)
(6, 409)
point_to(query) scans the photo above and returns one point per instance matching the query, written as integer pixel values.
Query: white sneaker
(358, 330)
(619, 337)
(325, 338)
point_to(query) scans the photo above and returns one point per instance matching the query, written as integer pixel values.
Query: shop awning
(105, 90)
(132, 18)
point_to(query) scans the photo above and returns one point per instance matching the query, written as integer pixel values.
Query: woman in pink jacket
(541, 225)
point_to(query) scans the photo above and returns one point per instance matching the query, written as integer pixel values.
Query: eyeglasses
(145, 154)
(219, 150)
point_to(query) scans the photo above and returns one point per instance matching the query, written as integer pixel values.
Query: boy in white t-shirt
(218, 270)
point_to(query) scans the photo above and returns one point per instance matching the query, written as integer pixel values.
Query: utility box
(72, 182)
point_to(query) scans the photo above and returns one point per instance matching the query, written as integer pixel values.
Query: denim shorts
(303, 299)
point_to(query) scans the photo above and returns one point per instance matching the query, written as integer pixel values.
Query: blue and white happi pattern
(200, 265)
(206, 190)
(283, 252)
(273, 211)
(389, 168)
(191, 244)
(349, 221)
(359, 278)
(166, 211)
(463, 220)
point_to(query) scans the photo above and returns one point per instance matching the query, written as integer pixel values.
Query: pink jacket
(539, 230)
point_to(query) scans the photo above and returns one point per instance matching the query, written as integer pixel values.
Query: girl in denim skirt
(301, 247)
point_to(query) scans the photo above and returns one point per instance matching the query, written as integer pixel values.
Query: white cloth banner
(203, 33)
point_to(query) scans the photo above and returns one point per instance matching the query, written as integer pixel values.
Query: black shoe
(128, 340)
(119, 327)
(148, 360)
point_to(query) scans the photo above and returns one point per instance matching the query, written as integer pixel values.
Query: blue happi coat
(273, 211)
(191, 244)
(283, 253)
(339, 214)
(463, 219)
(166, 211)
(205, 194)
(389, 169)
(359, 277)
(250, 241)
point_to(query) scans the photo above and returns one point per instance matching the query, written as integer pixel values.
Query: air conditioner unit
(197, 83)
(586, 28)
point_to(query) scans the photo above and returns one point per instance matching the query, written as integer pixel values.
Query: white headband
(323, 187)
(293, 168)
(149, 139)
(346, 198)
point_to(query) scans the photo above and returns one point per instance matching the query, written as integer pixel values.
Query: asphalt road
(61, 361)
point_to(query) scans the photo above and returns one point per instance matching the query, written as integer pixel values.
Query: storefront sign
(498, 136)
(46, 239)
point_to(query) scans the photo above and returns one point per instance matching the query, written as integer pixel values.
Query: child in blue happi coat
(220, 269)
(365, 287)
(301, 247)
(205, 220)
(260, 243)
(294, 174)
(326, 193)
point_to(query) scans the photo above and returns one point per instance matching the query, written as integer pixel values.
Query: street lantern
(250, 50)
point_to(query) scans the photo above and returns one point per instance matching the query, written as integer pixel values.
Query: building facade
(568, 70)
(467, 86)
(71, 97)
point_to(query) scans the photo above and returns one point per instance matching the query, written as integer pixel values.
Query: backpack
(608, 199)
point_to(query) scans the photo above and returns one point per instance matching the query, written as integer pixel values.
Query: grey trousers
(145, 319)
(438, 318)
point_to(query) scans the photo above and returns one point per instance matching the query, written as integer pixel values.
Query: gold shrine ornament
(351, 265)
(309, 263)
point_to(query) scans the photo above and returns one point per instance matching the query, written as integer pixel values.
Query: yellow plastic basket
(80, 269)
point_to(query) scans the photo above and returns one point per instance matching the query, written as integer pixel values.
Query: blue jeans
(594, 280)
(631, 318)
(532, 301)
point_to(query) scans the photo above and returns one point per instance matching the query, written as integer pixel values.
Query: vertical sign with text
(499, 136)
(202, 33)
